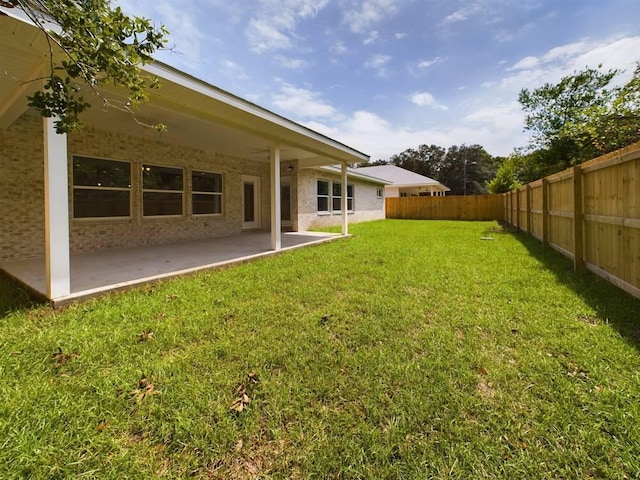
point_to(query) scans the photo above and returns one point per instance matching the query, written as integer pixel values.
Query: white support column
(56, 211)
(276, 221)
(343, 201)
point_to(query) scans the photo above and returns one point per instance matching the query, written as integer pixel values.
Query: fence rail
(470, 207)
(590, 213)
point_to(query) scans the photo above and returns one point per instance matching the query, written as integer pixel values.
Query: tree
(371, 164)
(453, 167)
(426, 160)
(505, 179)
(582, 116)
(90, 46)
(466, 169)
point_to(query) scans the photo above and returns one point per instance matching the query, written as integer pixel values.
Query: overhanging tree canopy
(582, 116)
(91, 45)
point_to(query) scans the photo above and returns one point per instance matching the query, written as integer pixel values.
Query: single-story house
(405, 183)
(225, 166)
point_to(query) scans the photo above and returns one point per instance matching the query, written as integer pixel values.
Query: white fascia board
(416, 185)
(352, 174)
(190, 82)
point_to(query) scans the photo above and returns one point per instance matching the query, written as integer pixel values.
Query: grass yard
(414, 349)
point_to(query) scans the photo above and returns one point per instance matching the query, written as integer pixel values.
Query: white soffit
(193, 103)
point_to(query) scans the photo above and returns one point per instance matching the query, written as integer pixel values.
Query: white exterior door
(250, 202)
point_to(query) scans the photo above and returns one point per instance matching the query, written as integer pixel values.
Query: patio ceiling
(196, 113)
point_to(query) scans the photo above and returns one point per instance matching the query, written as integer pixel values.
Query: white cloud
(462, 14)
(421, 67)
(302, 103)
(526, 63)
(371, 38)
(550, 67)
(339, 48)
(378, 63)
(424, 64)
(361, 16)
(264, 36)
(425, 99)
(232, 69)
(400, 35)
(291, 63)
(274, 24)
(375, 136)
(185, 37)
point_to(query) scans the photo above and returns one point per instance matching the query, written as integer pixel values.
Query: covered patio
(81, 210)
(118, 269)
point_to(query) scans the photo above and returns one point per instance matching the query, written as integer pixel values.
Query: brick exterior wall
(22, 193)
(366, 204)
(22, 185)
(22, 189)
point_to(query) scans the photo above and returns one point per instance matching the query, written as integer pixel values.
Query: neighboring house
(405, 183)
(224, 166)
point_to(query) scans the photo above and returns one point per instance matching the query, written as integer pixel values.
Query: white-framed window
(206, 193)
(336, 197)
(380, 193)
(162, 191)
(101, 188)
(330, 197)
(323, 196)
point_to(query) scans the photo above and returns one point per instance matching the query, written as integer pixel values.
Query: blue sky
(386, 75)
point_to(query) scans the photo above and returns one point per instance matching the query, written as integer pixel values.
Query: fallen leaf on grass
(240, 403)
(576, 371)
(144, 336)
(60, 358)
(252, 377)
(242, 399)
(481, 371)
(485, 390)
(592, 320)
(144, 389)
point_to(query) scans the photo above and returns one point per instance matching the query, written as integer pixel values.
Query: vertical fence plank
(518, 209)
(578, 220)
(545, 212)
(528, 206)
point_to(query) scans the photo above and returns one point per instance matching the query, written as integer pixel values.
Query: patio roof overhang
(196, 113)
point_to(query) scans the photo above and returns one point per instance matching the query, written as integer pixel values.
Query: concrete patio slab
(118, 269)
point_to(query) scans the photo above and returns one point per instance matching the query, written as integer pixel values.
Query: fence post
(518, 209)
(528, 208)
(545, 212)
(578, 242)
(505, 204)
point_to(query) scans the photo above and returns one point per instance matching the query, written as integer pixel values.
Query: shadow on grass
(621, 310)
(13, 297)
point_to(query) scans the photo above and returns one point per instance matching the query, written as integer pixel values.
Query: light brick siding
(366, 204)
(21, 191)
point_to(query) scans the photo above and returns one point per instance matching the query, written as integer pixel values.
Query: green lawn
(411, 350)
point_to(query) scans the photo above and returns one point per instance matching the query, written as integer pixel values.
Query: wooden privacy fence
(590, 213)
(470, 207)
